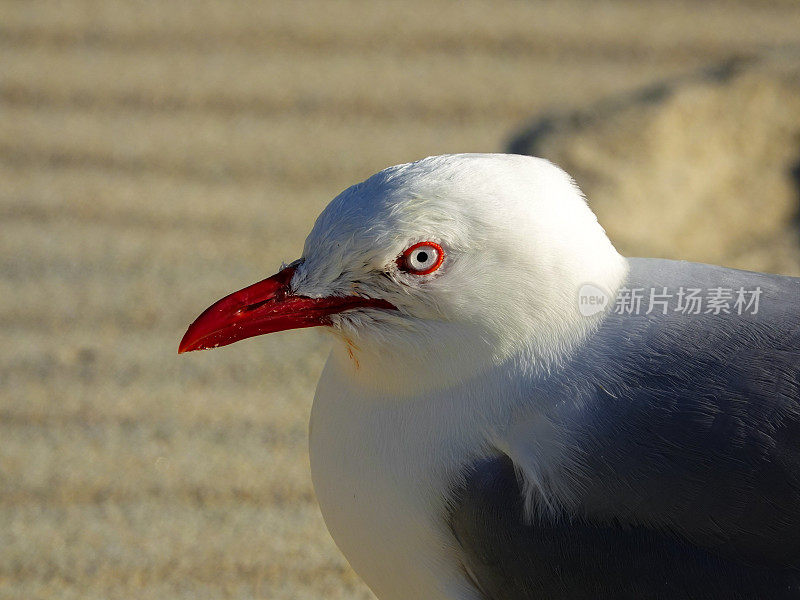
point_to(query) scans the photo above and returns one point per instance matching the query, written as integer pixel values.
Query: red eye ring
(404, 260)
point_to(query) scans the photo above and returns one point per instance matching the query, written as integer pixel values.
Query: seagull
(512, 410)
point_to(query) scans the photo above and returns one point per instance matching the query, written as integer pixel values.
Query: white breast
(381, 470)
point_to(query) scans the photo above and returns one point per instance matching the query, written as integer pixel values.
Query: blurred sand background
(157, 155)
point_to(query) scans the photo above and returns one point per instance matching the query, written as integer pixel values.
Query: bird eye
(421, 258)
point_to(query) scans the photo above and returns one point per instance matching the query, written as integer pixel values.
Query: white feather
(409, 397)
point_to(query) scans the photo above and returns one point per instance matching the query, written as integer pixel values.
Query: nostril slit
(252, 307)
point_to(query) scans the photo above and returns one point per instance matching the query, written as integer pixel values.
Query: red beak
(266, 307)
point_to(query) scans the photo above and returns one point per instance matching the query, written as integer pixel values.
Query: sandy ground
(156, 155)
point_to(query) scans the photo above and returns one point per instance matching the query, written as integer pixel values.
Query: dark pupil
(422, 257)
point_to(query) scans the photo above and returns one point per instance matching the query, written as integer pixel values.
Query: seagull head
(435, 269)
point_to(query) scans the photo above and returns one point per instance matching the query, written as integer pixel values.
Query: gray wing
(687, 439)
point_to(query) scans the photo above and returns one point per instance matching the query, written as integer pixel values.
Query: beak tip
(186, 345)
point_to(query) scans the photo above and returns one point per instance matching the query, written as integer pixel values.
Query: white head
(518, 242)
